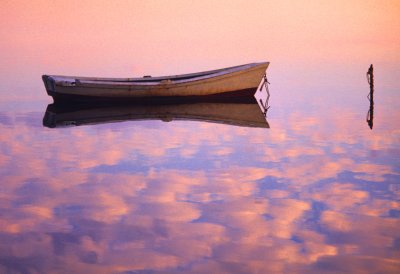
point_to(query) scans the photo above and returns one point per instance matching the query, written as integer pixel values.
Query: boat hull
(237, 81)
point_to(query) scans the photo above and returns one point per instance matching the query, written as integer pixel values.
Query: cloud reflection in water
(197, 197)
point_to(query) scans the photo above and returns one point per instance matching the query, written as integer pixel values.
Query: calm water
(316, 192)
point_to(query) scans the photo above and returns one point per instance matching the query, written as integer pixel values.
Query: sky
(135, 38)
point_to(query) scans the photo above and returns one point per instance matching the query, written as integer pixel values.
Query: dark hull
(245, 95)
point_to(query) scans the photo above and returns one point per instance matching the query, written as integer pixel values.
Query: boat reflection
(370, 113)
(239, 113)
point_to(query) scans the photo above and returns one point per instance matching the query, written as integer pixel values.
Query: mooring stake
(370, 113)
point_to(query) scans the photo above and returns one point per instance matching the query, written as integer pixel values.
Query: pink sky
(133, 38)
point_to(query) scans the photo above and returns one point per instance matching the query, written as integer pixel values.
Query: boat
(227, 82)
(243, 114)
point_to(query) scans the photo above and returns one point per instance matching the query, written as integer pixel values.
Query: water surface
(316, 192)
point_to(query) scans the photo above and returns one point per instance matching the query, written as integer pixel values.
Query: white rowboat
(232, 81)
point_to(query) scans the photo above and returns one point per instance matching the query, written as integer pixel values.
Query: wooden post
(370, 114)
(371, 81)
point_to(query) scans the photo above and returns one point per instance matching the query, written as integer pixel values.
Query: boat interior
(147, 79)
